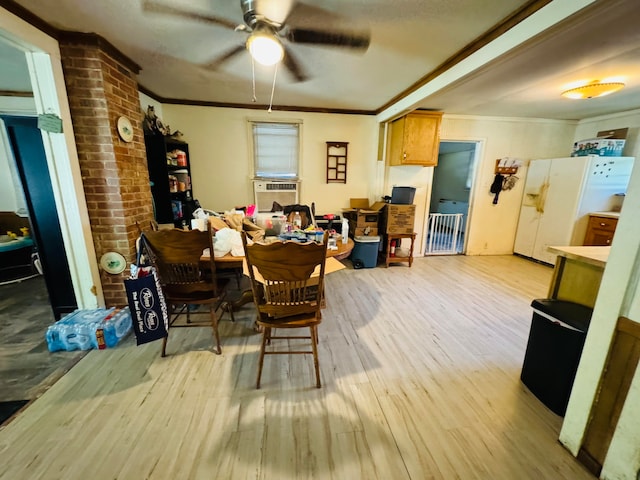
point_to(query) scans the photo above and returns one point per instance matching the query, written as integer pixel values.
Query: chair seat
(297, 321)
(190, 294)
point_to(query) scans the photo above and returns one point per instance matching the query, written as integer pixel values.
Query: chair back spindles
(185, 278)
(287, 280)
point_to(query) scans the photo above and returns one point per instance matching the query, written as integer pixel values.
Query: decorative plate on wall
(125, 129)
(113, 262)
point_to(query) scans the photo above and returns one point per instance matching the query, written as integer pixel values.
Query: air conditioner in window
(268, 191)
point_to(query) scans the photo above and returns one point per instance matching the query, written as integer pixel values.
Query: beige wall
(491, 228)
(219, 146)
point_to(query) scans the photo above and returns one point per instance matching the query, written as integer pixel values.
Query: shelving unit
(170, 176)
(395, 259)
(337, 162)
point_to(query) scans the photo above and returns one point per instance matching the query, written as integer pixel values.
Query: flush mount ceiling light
(593, 90)
(264, 47)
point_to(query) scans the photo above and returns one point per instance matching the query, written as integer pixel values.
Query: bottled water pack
(87, 329)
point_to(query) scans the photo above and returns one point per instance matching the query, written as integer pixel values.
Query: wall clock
(125, 129)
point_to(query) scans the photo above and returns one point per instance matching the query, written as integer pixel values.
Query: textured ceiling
(409, 40)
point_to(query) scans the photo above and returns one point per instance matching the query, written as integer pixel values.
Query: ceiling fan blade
(338, 39)
(215, 63)
(151, 6)
(293, 66)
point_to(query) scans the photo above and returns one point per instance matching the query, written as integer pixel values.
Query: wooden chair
(287, 293)
(186, 280)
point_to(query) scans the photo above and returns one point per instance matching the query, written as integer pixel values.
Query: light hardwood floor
(420, 370)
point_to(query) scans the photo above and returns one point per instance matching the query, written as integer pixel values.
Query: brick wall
(101, 87)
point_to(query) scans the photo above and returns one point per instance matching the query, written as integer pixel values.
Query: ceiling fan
(267, 23)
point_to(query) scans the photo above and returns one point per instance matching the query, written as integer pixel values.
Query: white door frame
(49, 93)
(477, 158)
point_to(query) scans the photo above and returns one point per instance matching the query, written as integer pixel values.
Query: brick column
(102, 87)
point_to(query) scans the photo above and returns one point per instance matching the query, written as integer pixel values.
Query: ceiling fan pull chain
(253, 79)
(273, 87)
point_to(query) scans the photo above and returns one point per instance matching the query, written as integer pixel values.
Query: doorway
(25, 141)
(450, 196)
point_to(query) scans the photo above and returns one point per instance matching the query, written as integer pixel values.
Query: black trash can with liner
(556, 338)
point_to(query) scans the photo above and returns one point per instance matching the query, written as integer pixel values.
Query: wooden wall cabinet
(414, 139)
(600, 230)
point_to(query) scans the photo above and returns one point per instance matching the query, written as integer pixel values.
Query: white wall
(491, 228)
(219, 147)
(619, 294)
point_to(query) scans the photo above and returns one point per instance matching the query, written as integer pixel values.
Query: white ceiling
(409, 39)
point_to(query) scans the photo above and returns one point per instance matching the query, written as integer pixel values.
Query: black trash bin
(557, 334)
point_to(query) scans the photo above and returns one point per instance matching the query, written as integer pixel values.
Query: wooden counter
(577, 274)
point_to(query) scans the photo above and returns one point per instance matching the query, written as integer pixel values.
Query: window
(276, 149)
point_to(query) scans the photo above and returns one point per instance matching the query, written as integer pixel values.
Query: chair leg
(164, 345)
(214, 325)
(265, 334)
(314, 347)
(229, 308)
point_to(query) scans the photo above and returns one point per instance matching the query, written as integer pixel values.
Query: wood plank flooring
(420, 370)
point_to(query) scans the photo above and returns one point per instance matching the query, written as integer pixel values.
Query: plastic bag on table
(226, 241)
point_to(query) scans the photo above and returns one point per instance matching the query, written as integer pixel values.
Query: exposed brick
(115, 177)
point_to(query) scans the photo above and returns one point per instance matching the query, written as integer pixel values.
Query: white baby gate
(444, 236)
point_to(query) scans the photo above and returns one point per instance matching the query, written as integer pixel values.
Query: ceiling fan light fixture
(593, 90)
(265, 48)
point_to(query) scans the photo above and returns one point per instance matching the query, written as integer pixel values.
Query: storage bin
(402, 195)
(365, 251)
(556, 339)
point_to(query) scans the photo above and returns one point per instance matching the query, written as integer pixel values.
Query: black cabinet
(170, 176)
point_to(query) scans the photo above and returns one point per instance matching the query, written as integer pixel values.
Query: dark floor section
(7, 409)
(27, 368)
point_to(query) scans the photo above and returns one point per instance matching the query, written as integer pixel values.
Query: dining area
(280, 277)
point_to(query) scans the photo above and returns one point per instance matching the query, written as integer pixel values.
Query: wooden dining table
(229, 261)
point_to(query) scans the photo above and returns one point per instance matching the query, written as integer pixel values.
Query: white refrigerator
(559, 194)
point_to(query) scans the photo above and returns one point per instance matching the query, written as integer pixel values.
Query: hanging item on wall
(496, 187)
(337, 162)
(125, 129)
(50, 122)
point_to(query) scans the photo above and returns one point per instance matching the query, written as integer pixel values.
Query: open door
(26, 143)
(449, 205)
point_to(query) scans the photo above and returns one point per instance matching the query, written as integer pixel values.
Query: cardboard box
(604, 147)
(361, 214)
(398, 218)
